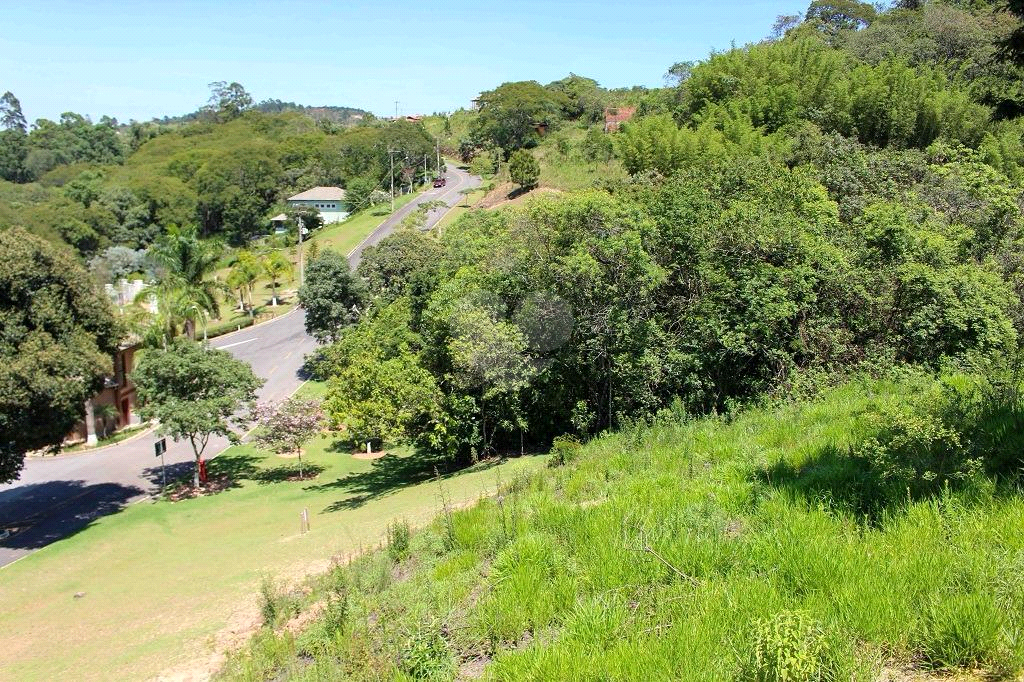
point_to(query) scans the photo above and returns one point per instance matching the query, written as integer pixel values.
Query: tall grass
(710, 549)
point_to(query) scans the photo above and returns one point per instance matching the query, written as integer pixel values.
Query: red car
(440, 182)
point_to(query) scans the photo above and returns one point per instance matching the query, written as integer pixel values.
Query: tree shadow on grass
(230, 469)
(391, 473)
(843, 481)
(832, 478)
(287, 472)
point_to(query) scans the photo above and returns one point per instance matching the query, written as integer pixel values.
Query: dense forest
(100, 185)
(845, 194)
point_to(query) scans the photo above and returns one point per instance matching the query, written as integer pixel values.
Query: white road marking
(237, 343)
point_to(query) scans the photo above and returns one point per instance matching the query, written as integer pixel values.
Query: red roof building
(614, 117)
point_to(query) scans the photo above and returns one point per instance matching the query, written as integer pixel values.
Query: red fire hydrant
(202, 471)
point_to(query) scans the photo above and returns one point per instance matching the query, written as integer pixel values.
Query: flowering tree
(285, 427)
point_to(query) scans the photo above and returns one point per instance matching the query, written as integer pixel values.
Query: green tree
(524, 169)
(583, 99)
(652, 143)
(833, 16)
(13, 139)
(276, 265)
(378, 388)
(404, 260)
(235, 189)
(331, 296)
(58, 337)
(11, 117)
(195, 392)
(509, 114)
(228, 100)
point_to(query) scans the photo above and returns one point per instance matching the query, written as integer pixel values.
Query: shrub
(790, 647)
(564, 450)
(276, 606)
(426, 655)
(524, 169)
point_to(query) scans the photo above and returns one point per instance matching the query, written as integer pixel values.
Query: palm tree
(246, 270)
(275, 264)
(238, 280)
(182, 291)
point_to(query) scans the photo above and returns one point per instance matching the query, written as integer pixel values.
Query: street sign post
(160, 447)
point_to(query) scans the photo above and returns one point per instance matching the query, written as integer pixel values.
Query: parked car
(440, 181)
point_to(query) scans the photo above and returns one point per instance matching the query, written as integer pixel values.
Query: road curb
(92, 451)
(254, 326)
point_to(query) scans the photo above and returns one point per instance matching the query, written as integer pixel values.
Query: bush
(790, 647)
(275, 606)
(564, 450)
(426, 655)
(524, 169)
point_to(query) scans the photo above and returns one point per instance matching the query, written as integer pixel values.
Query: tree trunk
(90, 423)
(190, 329)
(273, 285)
(195, 474)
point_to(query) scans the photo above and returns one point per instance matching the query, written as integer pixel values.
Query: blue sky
(143, 59)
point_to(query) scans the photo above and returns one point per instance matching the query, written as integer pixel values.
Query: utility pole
(424, 169)
(396, 109)
(391, 155)
(302, 271)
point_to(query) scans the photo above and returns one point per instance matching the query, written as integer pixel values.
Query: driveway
(58, 496)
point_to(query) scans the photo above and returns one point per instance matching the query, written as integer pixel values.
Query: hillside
(786, 542)
(817, 236)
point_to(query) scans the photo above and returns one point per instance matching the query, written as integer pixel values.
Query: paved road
(58, 496)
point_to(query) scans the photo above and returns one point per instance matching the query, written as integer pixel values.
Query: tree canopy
(195, 392)
(58, 339)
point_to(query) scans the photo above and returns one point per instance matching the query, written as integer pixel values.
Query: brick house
(616, 116)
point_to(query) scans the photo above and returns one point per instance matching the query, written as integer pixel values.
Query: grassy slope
(658, 553)
(160, 580)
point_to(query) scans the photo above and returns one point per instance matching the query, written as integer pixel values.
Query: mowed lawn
(160, 584)
(345, 236)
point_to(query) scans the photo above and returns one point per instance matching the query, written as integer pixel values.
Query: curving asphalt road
(58, 496)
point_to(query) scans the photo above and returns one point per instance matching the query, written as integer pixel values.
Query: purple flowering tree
(286, 426)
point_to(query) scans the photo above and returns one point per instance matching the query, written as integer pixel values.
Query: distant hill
(339, 115)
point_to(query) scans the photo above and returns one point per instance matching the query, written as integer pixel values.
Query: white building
(330, 201)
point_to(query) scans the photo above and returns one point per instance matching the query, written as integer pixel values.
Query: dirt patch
(473, 669)
(214, 485)
(907, 673)
(239, 630)
(506, 194)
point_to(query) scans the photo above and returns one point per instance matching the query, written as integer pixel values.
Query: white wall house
(330, 201)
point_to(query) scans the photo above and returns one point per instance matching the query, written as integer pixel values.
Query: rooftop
(320, 194)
